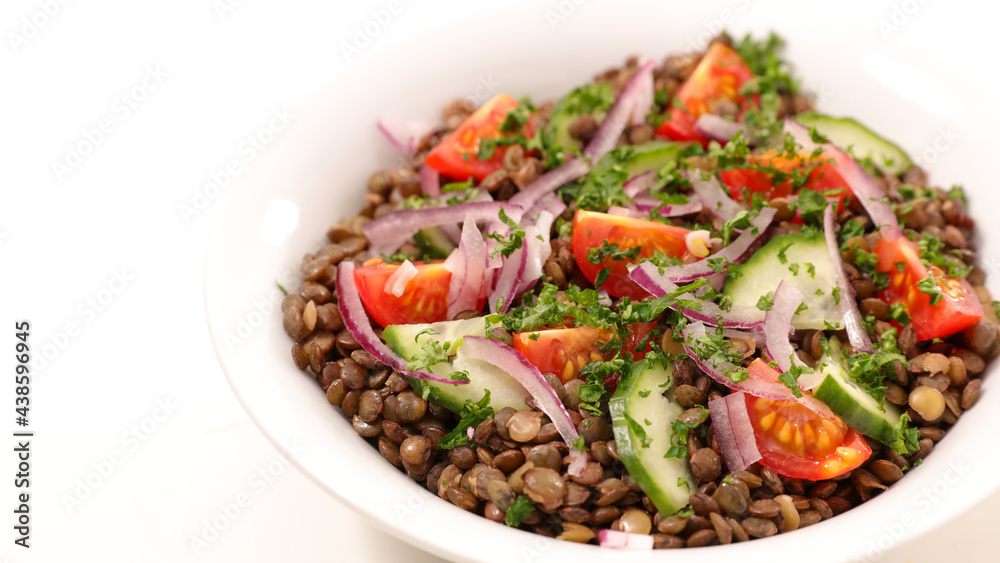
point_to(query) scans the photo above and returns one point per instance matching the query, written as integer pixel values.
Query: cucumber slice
(593, 99)
(408, 342)
(639, 159)
(647, 395)
(849, 400)
(848, 133)
(788, 257)
(433, 243)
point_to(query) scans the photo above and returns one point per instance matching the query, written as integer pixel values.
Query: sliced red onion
(644, 95)
(387, 233)
(613, 539)
(735, 252)
(523, 268)
(613, 125)
(396, 284)
(757, 334)
(734, 431)
(550, 202)
(718, 128)
(626, 212)
(393, 136)
(853, 322)
(430, 181)
(638, 184)
(356, 321)
(467, 265)
(549, 182)
(508, 280)
(713, 195)
(647, 275)
(778, 326)
(646, 203)
(862, 186)
(766, 387)
(504, 357)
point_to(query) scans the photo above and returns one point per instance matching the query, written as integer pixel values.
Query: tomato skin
(457, 155)
(425, 299)
(797, 442)
(591, 229)
(824, 178)
(719, 76)
(959, 307)
(564, 351)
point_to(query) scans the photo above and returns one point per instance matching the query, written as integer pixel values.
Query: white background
(116, 350)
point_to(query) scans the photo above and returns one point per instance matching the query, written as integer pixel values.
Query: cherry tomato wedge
(958, 308)
(718, 78)
(593, 230)
(823, 178)
(424, 300)
(458, 154)
(797, 442)
(564, 351)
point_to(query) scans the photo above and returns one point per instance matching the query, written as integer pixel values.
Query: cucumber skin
(400, 339)
(647, 157)
(629, 452)
(836, 127)
(857, 417)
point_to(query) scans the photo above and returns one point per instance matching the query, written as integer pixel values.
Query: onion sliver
(504, 357)
(734, 431)
(718, 128)
(853, 322)
(617, 118)
(387, 233)
(714, 196)
(778, 326)
(735, 252)
(467, 265)
(357, 323)
(430, 181)
(647, 275)
(549, 182)
(860, 183)
(613, 539)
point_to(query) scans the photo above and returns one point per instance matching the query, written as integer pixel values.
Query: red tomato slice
(425, 299)
(959, 307)
(719, 76)
(591, 229)
(824, 178)
(564, 351)
(457, 155)
(796, 441)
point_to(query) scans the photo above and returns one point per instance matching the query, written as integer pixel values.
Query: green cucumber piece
(849, 134)
(639, 159)
(647, 395)
(849, 400)
(408, 342)
(776, 261)
(433, 243)
(593, 99)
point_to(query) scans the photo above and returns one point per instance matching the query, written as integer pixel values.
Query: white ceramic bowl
(316, 173)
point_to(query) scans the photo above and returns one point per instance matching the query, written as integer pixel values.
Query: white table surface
(108, 269)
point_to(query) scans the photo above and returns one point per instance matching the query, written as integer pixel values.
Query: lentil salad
(515, 465)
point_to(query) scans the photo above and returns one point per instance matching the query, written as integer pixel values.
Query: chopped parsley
(639, 431)
(433, 353)
(930, 286)
(472, 415)
(281, 288)
(766, 301)
(518, 511)
(680, 431)
(507, 244)
(610, 251)
(791, 378)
